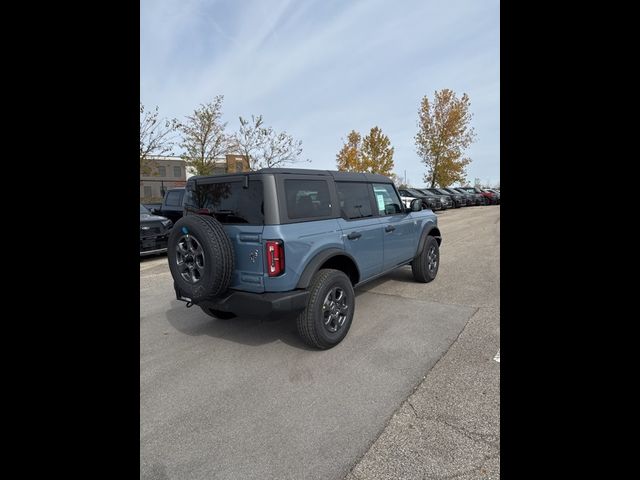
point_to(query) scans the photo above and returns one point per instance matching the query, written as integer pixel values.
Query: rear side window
(387, 199)
(354, 200)
(228, 202)
(307, 198)
(174, 199)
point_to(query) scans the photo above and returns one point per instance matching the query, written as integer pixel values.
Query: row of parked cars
(450, 197)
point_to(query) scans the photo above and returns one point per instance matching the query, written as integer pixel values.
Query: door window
(354, 200)
(387, 200)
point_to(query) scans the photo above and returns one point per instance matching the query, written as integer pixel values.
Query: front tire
(329, 312)
(425, 265)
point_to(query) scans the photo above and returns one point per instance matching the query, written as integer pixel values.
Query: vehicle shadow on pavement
(243, 330)
(402, 274)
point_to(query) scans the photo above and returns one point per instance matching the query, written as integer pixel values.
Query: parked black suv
(154, 232)
(171, 205)
(458, 199)
(428, 201)
(469, 198)
(477, 196)
(445, 198)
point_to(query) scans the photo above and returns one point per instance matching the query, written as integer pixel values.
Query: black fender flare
(314, 265)
(430, 229)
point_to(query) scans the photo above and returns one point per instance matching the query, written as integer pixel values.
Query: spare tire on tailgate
(201, 257)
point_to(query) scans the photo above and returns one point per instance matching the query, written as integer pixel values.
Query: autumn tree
(204, 138)
(156, 137)
(263, 146)
(349, 158)
(372, 154)
(377, 152)
(444, 133)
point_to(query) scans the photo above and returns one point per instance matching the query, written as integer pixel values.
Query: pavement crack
(428, 301)
(415, 412)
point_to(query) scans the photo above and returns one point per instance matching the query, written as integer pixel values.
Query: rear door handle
(354, 235)
(389, 228)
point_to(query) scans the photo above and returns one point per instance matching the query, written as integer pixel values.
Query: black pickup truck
(171, 206)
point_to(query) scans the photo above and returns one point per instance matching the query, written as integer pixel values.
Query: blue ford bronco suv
(280, 240)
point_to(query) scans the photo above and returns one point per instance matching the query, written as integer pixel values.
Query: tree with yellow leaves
(443, 136)
(373, 154)
(349, 158)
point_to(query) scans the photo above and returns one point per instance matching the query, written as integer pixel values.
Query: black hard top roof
(338, 176)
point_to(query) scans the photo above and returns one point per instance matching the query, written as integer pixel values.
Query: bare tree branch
(156, 137)
(203, 137)
(264, 147)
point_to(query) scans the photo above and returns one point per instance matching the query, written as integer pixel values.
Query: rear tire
(329, 312)
(425, 265)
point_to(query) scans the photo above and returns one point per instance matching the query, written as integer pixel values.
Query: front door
(400, 230)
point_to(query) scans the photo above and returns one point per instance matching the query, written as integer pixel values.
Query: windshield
(415, 192)
(143, 209)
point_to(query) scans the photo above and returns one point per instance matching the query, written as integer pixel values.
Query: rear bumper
(269, 305)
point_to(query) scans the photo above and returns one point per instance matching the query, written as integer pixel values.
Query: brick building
(170, 172)
(166, 172)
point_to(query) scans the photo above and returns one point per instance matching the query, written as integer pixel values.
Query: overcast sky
(319, 69)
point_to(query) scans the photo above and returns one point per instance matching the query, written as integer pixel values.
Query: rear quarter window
(307, 199)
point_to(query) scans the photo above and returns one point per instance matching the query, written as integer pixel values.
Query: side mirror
(416, 205)
(154, 211)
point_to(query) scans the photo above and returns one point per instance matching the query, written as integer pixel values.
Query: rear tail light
(275, 257)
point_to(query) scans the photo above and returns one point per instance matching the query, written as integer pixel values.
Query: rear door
(400, 230)
(240, 209)
(362, 229)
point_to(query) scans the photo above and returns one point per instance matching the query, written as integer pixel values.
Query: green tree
(444, 133)
(156, 137)
(204, 138)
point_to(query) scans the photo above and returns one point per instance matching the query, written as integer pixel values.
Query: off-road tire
(310, 322)
(422, 266)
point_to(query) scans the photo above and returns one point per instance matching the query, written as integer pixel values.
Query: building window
(177, 172)
(147, 191)
(238, 165)
(162, 171)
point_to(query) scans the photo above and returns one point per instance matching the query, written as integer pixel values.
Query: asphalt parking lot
(412, 392)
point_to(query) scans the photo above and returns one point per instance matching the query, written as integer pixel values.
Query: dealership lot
(243, 398)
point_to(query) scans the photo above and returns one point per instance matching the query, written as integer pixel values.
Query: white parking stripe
(497, 357)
